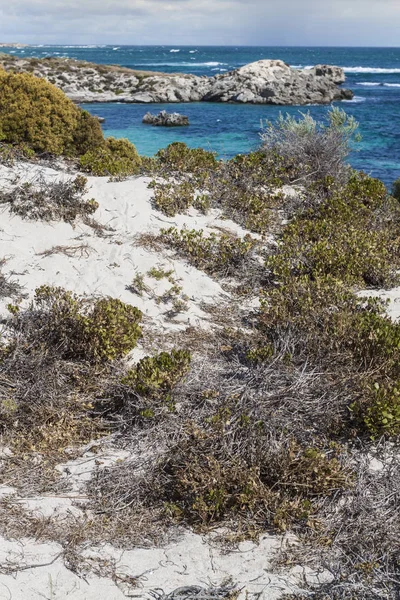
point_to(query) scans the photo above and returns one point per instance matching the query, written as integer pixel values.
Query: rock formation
(261, 82)
(165, 119)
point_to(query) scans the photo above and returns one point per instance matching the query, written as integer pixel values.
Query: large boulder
(165, 119)
(275, 82)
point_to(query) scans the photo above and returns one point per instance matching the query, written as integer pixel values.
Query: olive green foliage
(36, 113)
(104, 330)
(206, 482)
(224, 254)
(353, 236)
(116, 158)
(247, 189)
(50, 200)
(178, 157)
(160, 274)
(154, 378)
(396, 189)
(173, 198)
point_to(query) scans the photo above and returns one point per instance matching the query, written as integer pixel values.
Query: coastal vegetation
(268, 423)
(37, 118)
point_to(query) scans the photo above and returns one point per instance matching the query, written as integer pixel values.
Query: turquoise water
(372, 73)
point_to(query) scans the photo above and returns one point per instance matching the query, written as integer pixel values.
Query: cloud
(253, 22)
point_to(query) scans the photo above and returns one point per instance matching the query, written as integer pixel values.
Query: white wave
(174, 50)
(182, 64)
(369, 83)
(369, 70)
(116, 48)
(355, 100)
(394, 85)
(192, 51)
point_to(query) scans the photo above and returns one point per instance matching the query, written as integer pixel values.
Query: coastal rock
(275, 82)
(261, 82)
(165, 119)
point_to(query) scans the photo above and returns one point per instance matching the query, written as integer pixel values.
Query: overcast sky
(191, 22)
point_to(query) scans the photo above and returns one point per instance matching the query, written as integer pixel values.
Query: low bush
(224, 254)
(152, 381)
(116, 158)
(36, 113)
(101, 331)
(172, 198)
(178, 157)
(352, 236)
(396, 189)
(317, 149)
(50, 200)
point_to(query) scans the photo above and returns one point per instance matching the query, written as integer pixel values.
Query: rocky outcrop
(165, 119)
(261, 82)
(275, 82)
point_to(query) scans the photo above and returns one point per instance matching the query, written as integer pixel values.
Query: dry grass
(9, 288)
(80, 251)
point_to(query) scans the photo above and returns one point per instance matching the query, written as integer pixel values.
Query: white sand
(106, 267)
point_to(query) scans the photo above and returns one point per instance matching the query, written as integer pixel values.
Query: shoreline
(262, 82)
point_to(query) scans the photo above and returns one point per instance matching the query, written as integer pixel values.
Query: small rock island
(166, 119)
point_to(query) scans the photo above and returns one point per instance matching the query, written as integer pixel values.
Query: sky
(207, 22)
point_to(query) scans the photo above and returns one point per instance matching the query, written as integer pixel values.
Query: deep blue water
(372, 73)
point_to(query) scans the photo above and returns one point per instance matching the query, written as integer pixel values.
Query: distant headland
(261, 82)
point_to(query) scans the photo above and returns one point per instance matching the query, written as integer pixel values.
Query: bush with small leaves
(353, 236)
(396, 189)
(380, 409)
(101, 331)
(36, 113)
(154, 377)
(116, 158)
(206, 482)
(224, 254)
(177, 157)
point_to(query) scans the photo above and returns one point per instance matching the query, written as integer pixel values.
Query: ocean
(372, 73)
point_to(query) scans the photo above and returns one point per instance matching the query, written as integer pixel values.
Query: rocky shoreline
(261, 82)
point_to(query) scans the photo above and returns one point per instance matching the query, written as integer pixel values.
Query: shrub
(318, 149)
(172, 198)
(34, 112)
(118, 158)
(178, 157)
(380, 410)
(224, 254)
(206, 482)
(396, 189)
(102, 331)
(154, 378)
(50, 200)
(352, 236)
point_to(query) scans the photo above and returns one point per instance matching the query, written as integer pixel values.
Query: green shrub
(205, 483)
(396, 189)
(154, 377)
(178, 157)
(352, 236)
(36, 113)
(105, 330)
(173, 198)
(224, 254)
(115, 158)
